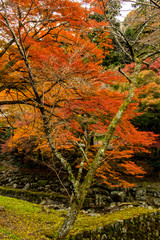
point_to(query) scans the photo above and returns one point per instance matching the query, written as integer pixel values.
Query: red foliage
(77, 94)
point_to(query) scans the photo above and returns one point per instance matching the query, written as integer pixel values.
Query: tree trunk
(76, 205)
(70, 219)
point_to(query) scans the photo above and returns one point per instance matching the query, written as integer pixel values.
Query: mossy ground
(21, 220)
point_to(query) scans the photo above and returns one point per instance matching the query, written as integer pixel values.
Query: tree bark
(70, 219)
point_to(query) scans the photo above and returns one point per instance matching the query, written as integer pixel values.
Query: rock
(91, 212)
(58, 207)
(54, 206)
(118, 224)
(49, 202)
(43, 202)
(104, 237)
(9, 180)
(47, 187)
(151, 192)
(143, 203)
(109, 199)
(101, 200)
(156, 202)
(45, 209)
(158, 194)
(141, 195)
(112, 205)
(130, 206)
(26, 187)
(15, 185)
(118, 196)
(124, 230)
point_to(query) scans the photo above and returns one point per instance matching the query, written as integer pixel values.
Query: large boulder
(141, 195)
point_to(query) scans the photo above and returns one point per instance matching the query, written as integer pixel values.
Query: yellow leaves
(147, 76)
(17, 138)
(151, 96)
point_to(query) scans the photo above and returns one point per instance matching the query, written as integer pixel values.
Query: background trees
(147, 16)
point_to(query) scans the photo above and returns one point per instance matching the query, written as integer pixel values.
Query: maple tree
(56, 96)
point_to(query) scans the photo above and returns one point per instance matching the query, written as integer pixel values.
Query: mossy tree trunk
(78, 200)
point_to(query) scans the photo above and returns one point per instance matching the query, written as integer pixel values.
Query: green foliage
(42, 182)
(155, 159)
(8, 234)
(96, 16)
(113, 59)
(5, 132)
(147, 76)
(129, 32)
(148, 121)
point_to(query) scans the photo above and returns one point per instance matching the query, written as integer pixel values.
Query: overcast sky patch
(126, 8)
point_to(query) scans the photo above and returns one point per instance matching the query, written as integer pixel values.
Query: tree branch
(150, 55)
(6, 47)
(155, 3)
(46, 127)
(119, 69)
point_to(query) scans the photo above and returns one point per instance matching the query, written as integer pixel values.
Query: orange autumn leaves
(77, 94)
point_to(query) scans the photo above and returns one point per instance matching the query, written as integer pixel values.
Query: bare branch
(4, 115)
(26, 102)
(83, 152)
(155, 3)
(150, 55)
(119, 69)
(6, 47)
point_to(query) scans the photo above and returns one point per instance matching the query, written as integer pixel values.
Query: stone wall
(103, 196)
(143, 227)
(39, 188)
(100, 196)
